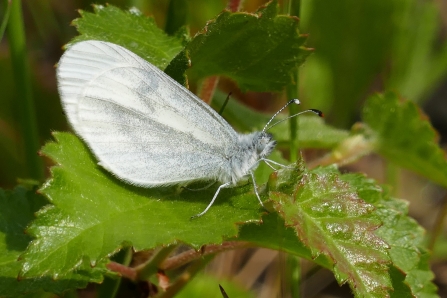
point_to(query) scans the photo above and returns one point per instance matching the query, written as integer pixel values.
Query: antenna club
(318, 112)
(296, 101)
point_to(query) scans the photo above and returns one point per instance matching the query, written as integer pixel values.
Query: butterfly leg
(266, 162)
(212, 201)
(256, 188)
(272, 167)
(274, 162)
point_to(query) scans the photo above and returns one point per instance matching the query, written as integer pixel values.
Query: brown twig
(180, 259)
(190, 255)
(207, 88)
(152, 265)
(123, 270)
(184, 278)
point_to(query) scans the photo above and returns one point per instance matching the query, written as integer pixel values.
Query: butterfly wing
(143, 126)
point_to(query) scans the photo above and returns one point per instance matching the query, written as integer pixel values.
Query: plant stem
(292, 273)
(207, 88)
(185, 277)
(234, 5)
(348, 151)
(292, 92)
(292, 8)
(290, 268)
(190, 255)
(110, 286)
(392, 176)
(438, 226)
(123, 270)
(151, 267)
(174, 261)
(16, 36)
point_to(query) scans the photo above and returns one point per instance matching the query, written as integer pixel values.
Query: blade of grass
(16, 36)
(438, 226)
(176, 16)
(5, 19)
(45, 19)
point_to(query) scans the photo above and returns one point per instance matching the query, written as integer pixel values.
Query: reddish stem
(207, 88)
(123, 270)
(180, 259)
(234, 5)
(190, 255)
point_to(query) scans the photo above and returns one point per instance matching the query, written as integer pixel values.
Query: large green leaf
(348, 224)
(420, 277)
(16, 212)
(402, 233)
(94, 214)
(259, 51)
(331, 219)
(402, 134)
(130, 29)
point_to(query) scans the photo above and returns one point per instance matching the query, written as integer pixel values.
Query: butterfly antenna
(224, 104)
(315, 111)
(295, 101)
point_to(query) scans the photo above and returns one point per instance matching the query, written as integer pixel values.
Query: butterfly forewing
(141, 125)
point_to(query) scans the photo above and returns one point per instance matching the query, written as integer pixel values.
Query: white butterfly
(147, 129)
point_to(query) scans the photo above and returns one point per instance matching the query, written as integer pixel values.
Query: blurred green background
(361, 47)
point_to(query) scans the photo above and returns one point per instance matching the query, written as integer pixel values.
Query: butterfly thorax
(246, 153)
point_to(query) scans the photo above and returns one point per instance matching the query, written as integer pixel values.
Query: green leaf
(313, 132)
(17, 209)
(402, 233)
(400, 289)
(339, 219)
(420, 278)
(176, 68)
(331, 219)
(259, 51)
(403, 135)
(94, 214)
(131, 30)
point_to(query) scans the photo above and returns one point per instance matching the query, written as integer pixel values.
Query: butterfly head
(264, 144)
